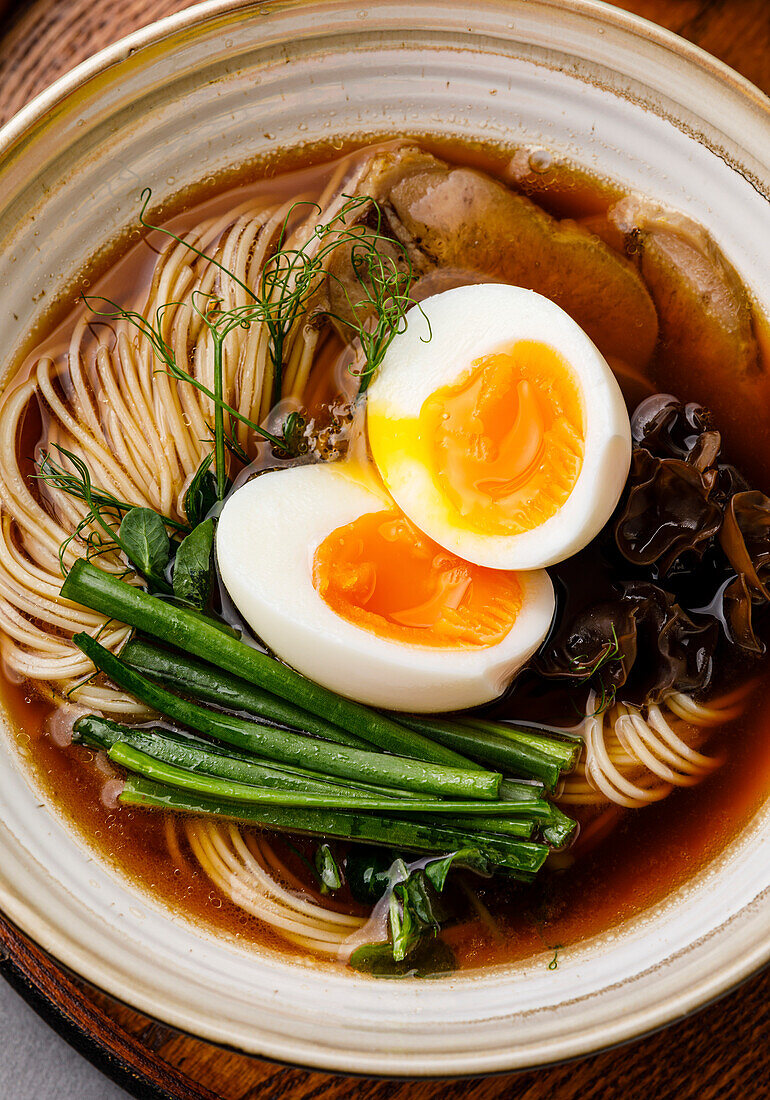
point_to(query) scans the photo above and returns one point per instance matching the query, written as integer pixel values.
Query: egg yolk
(507, 440)
(384, 575)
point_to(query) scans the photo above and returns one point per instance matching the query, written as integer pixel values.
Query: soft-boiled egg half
(340, 584)
(498, 427)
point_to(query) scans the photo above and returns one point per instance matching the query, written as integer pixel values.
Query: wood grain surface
(721, 1053)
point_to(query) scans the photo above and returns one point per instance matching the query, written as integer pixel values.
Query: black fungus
(674, 650)
(680, 570)
(667, 428)
(667, 511)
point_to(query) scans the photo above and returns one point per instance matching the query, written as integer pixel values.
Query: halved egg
(343, 587)
(498, 427)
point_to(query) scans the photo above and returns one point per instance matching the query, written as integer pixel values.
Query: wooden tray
(719, 1054)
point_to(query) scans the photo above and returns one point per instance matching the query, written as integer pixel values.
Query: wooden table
(718, 1054)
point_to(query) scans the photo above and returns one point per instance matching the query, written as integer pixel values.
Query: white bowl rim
(709, 988)
(155, 31)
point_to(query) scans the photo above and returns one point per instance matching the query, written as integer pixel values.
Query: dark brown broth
(644, 858)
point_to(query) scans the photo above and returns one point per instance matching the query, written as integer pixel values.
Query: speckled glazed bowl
(225, 83)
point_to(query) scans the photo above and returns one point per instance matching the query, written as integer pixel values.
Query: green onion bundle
(270, 747)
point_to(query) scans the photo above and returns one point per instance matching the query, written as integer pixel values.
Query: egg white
(441, 341)
(267, 536)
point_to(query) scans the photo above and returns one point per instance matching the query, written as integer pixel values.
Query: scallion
(93, 588)
(291, 748)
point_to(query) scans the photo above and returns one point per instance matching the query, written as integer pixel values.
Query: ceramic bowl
(223, 84)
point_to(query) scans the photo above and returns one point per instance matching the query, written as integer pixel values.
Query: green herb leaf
(294, 440)
(327, 869)
(288, 282)
(406, 927)
(367, 872)
(429, 959)
(437, 870)
(192, 565)
(416, 909)
(554, 963)
(98, 528)
(201, 495)
(145, 542)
